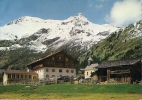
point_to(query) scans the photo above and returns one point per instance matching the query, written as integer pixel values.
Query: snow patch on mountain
(13, 47)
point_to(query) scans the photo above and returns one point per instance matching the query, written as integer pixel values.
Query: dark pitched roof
(50, 56)
(18, 72)
(118, 63)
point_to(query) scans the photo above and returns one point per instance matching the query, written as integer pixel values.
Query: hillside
(125, 43)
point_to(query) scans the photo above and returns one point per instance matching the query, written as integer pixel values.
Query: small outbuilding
(121, 71)
(89, 68)
(19, 77)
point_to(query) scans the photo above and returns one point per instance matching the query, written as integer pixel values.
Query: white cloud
(125, 12)
(99, 6)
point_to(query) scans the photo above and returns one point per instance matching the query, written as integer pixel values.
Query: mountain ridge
(74, 29)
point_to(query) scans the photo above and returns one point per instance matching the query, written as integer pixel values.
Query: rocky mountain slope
(124, 43)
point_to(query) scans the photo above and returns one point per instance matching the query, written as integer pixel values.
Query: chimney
(89, 61)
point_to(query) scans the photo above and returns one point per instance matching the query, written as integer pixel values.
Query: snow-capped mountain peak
(24, 19)
(74, 31)
(78, 19)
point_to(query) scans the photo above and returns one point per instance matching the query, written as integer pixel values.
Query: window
(47, 70)
(72, 71)
(53, 75)
(30, 76)
(60, 70)
(25, 76)
(67, 71)
(34, 77)
(9, 75)
(53, 70)
(53, 63)
(60, 58)
(21, 76)
(17, 76)
(60, 64)
(13, 75)
(52, 58)
(72, 64)
(67, 59)
(87, 73)
(47, 76)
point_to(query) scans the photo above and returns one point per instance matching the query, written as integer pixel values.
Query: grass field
(73, 92)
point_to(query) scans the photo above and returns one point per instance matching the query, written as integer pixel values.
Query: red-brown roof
(18, 72)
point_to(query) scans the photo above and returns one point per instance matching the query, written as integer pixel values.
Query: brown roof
(118, 63)
(50, 56)
(18, 72)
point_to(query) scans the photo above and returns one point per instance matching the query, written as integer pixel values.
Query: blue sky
(96, 11)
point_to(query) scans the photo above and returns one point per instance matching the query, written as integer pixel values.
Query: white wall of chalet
(87, 73)
(49, 72)
(5, 78)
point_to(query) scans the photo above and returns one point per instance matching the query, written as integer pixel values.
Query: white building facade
(49, 72)
(19, 77)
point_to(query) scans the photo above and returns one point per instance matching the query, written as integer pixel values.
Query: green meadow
(73, 92)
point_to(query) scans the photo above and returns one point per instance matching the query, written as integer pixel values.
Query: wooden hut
(122, 71)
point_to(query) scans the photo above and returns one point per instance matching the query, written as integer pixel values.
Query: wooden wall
(120, 74)
(57, 60)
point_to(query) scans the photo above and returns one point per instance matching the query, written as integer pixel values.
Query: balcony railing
(119, 71)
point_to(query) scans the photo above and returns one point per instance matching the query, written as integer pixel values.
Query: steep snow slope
(24, 26)
(74, 31)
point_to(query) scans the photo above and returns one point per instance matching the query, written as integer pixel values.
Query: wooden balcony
(119, 71)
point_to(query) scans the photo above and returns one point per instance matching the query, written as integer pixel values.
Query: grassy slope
(69, 91)
(17, 59)
(117, 46)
